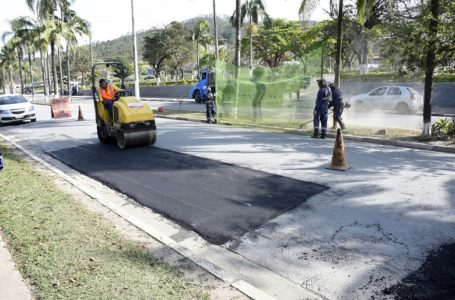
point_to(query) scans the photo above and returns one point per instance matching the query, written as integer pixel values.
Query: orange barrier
(60, 108)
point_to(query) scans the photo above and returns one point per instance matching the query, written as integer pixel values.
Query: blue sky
(112, 18)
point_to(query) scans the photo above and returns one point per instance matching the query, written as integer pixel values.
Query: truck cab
(199, 90)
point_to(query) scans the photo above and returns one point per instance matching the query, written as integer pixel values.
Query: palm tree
(255, 10)
(45, 10)
(17, 42)
(25, 32)
(200, 36)
(6, 63)
(76, 27)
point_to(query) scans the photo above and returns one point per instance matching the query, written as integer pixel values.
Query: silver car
(400, 98)
(16, 108)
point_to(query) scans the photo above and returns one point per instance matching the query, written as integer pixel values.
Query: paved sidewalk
(12, 286)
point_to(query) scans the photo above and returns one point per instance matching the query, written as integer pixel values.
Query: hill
(122, 46)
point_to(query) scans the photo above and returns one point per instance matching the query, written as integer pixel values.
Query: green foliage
(280, 42)
(444, 128)
(168, 44)
(122, 71)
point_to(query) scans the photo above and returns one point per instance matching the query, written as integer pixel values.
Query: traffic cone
(80, 117)
(339, 161)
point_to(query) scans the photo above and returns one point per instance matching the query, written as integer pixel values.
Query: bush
(444, 128)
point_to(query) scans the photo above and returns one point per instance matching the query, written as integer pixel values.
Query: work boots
(315, 133)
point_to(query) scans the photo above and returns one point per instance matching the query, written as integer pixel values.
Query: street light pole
(215, 30)
(136, 68)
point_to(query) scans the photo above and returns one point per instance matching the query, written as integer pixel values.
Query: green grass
(68, 252)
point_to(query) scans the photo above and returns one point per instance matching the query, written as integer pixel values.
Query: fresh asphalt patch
(434, 280)
(219, 201)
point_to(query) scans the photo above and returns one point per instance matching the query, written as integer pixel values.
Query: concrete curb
(372, 140)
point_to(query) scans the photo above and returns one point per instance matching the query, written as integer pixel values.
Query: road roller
(132, 122)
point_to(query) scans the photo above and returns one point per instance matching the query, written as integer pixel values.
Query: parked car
(400, 98)
(16, 108)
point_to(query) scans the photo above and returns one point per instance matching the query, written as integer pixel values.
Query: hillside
(122, 46)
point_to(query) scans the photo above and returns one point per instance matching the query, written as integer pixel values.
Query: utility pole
(136, 68)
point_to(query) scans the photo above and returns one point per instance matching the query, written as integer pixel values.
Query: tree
(278, 43)
(364, 9)
(165, 44)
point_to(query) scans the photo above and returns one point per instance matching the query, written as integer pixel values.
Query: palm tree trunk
(54, 69)
(68, 71)
(11, 83)
(197, 57)
(2, 73)
(430, 64)
(60, 71)
(251, 44)
(21, 78)
(49, 81)
(31, 74)
(43, 74)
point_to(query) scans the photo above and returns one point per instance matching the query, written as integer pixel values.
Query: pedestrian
(338, 105)
(1, 161)
(321, 109)
(210, 106)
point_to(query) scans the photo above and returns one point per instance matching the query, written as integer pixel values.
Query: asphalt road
(374, 226)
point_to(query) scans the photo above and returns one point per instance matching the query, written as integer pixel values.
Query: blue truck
(199, 91)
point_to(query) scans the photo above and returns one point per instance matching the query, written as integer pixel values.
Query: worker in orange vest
(106, 93)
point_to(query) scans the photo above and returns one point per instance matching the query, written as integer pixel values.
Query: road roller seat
(103, 113)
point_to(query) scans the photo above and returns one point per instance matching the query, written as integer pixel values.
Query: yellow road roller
(132, 122)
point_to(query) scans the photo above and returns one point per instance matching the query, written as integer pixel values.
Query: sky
(111, 19)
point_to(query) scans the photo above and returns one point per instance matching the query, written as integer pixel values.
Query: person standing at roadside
(338, 105)
(1, 161)
(321, 110)
(210, 106)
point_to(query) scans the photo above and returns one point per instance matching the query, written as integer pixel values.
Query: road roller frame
(132, 123)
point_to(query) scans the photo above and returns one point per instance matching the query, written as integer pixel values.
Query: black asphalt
(219, 201)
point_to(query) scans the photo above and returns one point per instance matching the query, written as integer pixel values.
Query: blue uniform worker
(321, 109)
(338, 104)
(210, 106)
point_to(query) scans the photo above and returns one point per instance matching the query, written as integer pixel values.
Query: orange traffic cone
(80, 117)
(339, 161)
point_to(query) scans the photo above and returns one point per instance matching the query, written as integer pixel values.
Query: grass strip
(68, 252)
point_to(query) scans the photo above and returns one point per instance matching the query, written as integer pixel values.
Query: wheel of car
(402, 108)
(359, 106)
(33, 120)
(197, 96)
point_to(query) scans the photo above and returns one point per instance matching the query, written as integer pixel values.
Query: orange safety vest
(108, 93)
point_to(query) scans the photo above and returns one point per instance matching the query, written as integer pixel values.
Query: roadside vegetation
(68, 252)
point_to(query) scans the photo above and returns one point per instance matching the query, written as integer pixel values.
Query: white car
(16, 108)
(403, 99)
